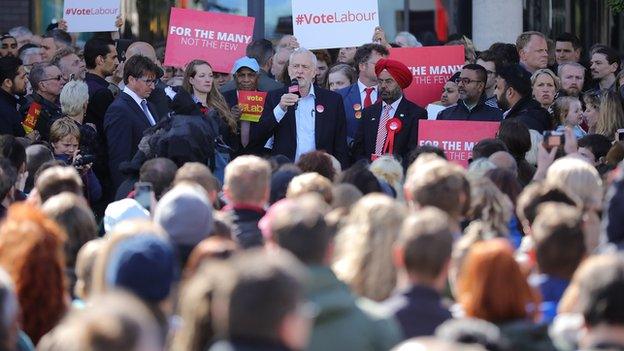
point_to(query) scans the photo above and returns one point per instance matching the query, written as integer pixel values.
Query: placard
(431, 67)
(251, 104)
(325, 24)
(91, 15)
(456, 138)
(217, 38)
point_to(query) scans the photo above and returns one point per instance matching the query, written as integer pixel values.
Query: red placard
(456, 138)
(217, 38)
(251, 104)
(431, 67)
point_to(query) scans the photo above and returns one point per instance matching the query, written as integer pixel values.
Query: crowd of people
(141, 211)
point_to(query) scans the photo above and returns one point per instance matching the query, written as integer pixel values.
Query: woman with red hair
(492, 287)
(31, 251)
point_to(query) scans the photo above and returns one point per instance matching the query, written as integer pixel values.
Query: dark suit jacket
(265, 83)
(419, 310)
(124, 124)
(10, 120)
(405, 140)
(159, 99)
(329, 127)
(351, 97)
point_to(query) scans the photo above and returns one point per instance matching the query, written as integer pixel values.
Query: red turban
(397, 70)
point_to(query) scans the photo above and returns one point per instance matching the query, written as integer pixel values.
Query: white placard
(91, 15)
(325, 24)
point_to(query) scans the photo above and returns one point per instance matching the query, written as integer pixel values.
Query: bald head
(504, 160)
(142, 48)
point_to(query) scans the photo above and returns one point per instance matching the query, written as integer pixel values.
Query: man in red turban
(391, 125)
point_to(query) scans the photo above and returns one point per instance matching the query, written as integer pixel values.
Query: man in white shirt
(364, 92)
(130, 114)
(312, 120)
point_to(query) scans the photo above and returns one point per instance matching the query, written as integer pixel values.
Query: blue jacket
(419, 310)
(352, 104)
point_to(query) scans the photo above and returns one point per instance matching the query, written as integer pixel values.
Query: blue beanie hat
(143, 264)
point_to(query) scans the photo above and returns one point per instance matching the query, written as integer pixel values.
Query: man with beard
(312, 120)
(471, 105)
(513, 91)
(572, 76)
(12, 83)
(101, 60)
(605, 64)
(9, 46)
(391, 125)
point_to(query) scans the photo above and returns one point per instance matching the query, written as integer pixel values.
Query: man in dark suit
(12, 82)
(422, 255)
(314, 121)
(130, 114)
(391, 125)
(158, 97)
(364, 92)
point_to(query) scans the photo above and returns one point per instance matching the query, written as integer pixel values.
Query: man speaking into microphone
(389, 126)
(303, 117)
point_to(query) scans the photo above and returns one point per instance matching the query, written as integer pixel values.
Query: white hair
(412, 42)
(304, 51)
(74, 96)
(20, 31)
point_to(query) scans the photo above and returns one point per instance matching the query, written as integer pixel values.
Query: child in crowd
(65, 138)
(567, 111)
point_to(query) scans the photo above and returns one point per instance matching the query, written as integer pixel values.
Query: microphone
(293, 88)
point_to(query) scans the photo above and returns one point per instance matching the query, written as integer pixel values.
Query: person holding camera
(65, 138)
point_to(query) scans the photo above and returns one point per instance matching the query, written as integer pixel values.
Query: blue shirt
(305, 116)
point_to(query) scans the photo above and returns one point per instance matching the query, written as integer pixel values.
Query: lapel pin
(320, 108)
(358, 115)
(357, 107)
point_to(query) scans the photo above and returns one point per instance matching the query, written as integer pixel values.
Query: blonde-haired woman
(610, 115)
(388, 169)
(364, 244)
(581, 179)
(545, 85)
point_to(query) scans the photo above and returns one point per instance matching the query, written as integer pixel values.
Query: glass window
(277, 18)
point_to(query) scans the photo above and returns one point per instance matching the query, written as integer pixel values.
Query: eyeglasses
(467, 81)
(58, 78)
(148, 81)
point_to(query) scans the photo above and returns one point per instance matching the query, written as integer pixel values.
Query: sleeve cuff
(278, 113)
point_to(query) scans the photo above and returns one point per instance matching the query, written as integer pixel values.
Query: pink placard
(456, 138)
(217, 38)
(431, 67)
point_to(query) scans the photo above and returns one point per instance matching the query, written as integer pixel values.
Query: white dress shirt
(362, 89)
(138, 100)
(305, 116)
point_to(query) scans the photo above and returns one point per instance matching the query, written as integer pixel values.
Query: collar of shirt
(311, 93)
(362, 88)
(395, 105)
(134, 96)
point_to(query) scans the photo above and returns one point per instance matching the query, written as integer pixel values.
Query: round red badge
(394, 125)
(320, 108)
(358, 115)
(357, 107)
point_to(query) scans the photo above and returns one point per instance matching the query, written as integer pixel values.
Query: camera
(620, 135)
(84, 160)
(553, 139)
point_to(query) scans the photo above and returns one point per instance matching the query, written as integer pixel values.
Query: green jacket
(344, 323)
